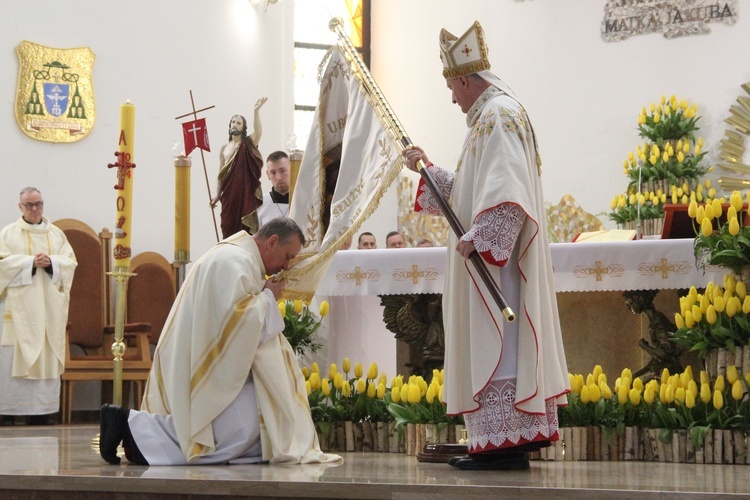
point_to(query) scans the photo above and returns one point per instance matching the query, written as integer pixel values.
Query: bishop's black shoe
(8, 420)
(494, 461)
(39, 420)
(113, 423)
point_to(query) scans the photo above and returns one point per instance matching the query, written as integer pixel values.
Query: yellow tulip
(737, 390)
(669, 393)
(734, 227)
(746, 305)
(332, 371)
(372, 391)
(358, 370)
(719, 383)
(736, 201)
(305, 372)
(338, 381)
(308, 388)
(395, 394)
(697, 313)
(346, 365)
(718, 400)
(700, 214)
(346, 390)
(657, 118)
(372, 372)
(315, 368)
(298, 306)
(622, 395)
(679, 320)
(360, 386)
(601, 378)
(664, 376)
(282, 308)
(314, 381)
(634, 396)
(430, 396)
(690, 400)
(649, 394)
(405, 393)
(692, 208)
(705, 392)
(740, 290)
(590, 379)
(732, 375)
(732, 307)
(711, 315)
(679, 395)
(325, 387)
(415, 393)
(683, 105)
(719, 304)
(324, 308)
(594, 393)
(585, 394)
(689, 322)
(605, 390)
(663, 393)
(704, 377)
(381, 391)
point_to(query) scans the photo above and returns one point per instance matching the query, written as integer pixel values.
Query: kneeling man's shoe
(494, 461)
(112, 423)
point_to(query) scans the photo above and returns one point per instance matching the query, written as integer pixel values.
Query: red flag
(195, 135)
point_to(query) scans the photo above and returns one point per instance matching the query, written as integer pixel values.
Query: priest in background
(36, 273)
(505, 378)
(276, 202)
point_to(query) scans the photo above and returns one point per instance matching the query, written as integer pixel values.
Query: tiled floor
(63, 462)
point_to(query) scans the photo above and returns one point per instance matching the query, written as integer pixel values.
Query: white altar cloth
(578, 267)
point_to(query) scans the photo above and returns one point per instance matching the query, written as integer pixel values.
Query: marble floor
(60, 461)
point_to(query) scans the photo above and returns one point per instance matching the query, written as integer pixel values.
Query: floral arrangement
(672, 403)
(727, 243)
(338, 397)
(300, 324)
(717, 318)
(670, 160)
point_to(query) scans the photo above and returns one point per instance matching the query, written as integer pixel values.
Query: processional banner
(349, 163)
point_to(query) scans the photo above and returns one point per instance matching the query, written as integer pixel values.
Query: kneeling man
(225, 386)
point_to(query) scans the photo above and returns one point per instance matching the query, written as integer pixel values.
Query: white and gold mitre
(464, 55)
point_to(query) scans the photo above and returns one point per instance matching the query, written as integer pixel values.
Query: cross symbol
(665, 268)
(123, 165)
(599, 270)
(466, 50)
(415, 274)
(358, 275)
(194, 130)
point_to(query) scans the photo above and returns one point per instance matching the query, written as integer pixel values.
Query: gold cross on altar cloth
(415, 274)
(599, 270)
(357, 275)
(665, 268)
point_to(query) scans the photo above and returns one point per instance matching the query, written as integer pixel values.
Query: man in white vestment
(505, 378)
(276, 202)
(225, 386)
(36, 272)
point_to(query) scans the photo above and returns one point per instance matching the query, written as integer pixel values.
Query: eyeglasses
(33, 206)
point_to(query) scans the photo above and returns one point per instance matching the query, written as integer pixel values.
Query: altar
(589, 278)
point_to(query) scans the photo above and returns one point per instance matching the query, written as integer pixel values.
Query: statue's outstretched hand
(260, 102)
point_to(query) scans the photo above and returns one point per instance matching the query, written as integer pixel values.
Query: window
(312, 39)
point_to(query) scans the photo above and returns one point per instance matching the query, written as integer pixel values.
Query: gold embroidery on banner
(599, 271)
(665, 268)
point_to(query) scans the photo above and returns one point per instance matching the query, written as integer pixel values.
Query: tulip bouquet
(729, 245)
(674, 402)
(717, 318)
(337, 397)
(669, 161)
(416, 402)
(300, 324)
